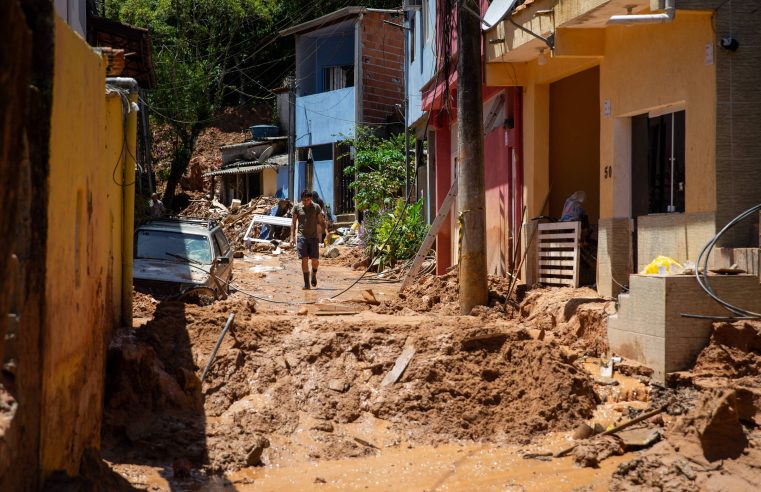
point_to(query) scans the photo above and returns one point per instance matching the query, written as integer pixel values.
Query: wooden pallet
(557, 253)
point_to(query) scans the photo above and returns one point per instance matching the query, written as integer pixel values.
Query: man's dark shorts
(308, 247)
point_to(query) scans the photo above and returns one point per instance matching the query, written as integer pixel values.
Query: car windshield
(168, 245)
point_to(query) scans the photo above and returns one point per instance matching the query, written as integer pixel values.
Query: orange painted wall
(575, 141)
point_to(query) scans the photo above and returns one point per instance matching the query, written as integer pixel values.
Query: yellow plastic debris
(662, 265)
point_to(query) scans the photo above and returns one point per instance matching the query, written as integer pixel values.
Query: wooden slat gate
(557, 253)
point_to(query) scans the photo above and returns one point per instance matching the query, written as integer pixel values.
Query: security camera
(729, 43)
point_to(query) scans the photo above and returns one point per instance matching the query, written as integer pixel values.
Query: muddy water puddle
(470, 466)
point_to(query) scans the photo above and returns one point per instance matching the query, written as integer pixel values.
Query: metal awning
(275, 162)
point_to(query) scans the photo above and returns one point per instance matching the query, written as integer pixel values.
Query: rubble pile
(716, 445)
(235, 223)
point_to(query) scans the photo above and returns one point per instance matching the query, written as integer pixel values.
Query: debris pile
(716, 445)
(577, 318)
(235, 223)
(439, 294)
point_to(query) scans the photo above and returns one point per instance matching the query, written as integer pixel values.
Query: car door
(225, 253)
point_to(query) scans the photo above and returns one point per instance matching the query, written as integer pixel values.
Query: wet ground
(479, 394)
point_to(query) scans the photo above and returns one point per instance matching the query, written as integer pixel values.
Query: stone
(254, 456)
(338, 385)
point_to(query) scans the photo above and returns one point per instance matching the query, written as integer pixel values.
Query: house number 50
(608, 172)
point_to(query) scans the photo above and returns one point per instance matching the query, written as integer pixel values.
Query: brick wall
(382, 51)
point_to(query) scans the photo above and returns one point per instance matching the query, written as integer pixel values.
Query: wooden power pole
(471, 200)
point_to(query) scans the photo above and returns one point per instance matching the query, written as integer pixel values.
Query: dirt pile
(230, 126)
(716, 445)
(576, 317)
(713, 447)
(734, 351)
(349, 256)
(591, 453)
(438, 294)
(282, 381)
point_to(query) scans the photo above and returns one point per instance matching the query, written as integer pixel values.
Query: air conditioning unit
(412, 5)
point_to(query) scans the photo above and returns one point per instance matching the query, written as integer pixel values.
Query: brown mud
(716, 444)
(294, 401)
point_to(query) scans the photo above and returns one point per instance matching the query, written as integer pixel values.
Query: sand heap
(717, 444)
(284, 380)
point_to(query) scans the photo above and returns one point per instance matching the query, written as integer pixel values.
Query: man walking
(308, 215)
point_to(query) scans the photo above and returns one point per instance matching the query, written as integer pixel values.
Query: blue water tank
(262, 131)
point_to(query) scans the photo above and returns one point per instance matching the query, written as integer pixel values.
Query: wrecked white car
(176, 257)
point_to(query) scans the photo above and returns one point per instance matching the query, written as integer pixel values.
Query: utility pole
(471, 201)
(291, 83)
(407, 33)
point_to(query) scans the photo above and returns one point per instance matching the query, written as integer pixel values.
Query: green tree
(378, 166)
(196, 48)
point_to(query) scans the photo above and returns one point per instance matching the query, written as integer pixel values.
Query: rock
(331, 252)
(320, 480)
(302, 311)
(338, 385)
(324, 427)
(639, 438)
(238, 254)
(251, 305)
(591, 453)
(254, 456)
(582, 431)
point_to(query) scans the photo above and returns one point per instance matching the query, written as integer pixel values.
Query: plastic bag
(662, 265)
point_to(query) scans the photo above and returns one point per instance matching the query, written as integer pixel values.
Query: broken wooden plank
(431, 236)
(335, 313)
(399, 366)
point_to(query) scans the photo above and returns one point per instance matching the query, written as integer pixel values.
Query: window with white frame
(338, 77)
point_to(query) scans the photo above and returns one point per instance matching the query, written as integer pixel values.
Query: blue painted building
(349, 72)
(421, 63)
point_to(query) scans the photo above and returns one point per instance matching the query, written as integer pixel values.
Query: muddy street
(295, 399)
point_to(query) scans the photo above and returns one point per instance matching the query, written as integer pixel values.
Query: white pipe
(667, 16)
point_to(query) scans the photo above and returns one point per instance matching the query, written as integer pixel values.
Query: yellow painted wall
(575, 141)
(648, 67)
(84, 243)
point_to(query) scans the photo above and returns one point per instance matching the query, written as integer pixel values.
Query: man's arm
(293, 225)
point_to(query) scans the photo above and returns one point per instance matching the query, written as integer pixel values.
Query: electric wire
(701, 274)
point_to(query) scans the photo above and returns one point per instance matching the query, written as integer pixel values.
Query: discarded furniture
(557, 253)
(265, 219)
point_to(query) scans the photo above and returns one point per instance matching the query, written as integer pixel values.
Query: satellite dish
(266, 154)
(496, 12)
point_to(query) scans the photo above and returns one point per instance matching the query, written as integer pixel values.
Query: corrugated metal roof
(249, 167)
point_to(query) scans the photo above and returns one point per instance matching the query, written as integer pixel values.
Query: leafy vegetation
(378, 166)
(379, 188)
(387, 246)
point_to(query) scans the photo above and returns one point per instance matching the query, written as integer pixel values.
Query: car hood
(169, 271)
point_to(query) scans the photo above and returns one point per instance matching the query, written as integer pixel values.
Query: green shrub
(387, 245)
